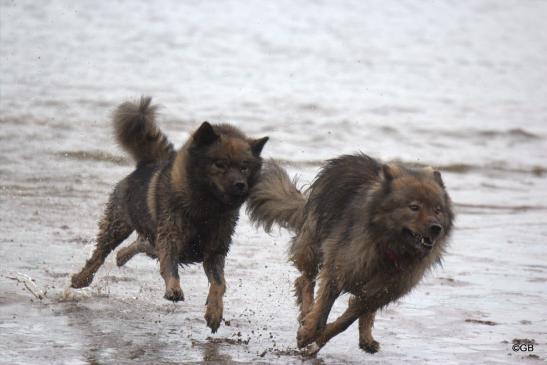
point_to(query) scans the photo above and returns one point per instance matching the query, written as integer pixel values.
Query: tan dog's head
(414, 208)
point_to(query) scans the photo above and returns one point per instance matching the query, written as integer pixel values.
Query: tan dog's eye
(414, 207)
(437, 209)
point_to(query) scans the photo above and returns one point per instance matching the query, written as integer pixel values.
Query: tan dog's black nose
(435, 230)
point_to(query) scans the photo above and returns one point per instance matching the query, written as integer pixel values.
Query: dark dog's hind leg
(113, 229)
(140, 245)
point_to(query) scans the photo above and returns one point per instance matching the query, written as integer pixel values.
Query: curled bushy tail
(137, 132)
(275, 199)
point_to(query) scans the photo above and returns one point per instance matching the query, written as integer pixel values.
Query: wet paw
(121, 259)
(80, 280)
(213, 316)
(311, 350)
(370, 346)
(174, 294)
(304, 336)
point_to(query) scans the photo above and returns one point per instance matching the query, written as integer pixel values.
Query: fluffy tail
(137, 132)
(275, 199)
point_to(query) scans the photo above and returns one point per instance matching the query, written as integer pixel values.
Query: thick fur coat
(183, 204)
(364, 228)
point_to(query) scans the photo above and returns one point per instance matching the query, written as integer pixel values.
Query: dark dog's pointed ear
(205, 135)
(257, 145)
(389, 172)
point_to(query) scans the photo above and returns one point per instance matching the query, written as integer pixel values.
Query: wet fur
(183, 204)
(352, 234)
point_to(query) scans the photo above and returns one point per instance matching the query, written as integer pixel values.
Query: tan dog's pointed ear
(205, 135)
(438, 178)
(390, 171)
(257, 145)
(436, 175)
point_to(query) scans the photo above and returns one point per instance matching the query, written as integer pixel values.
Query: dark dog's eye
(221, 165)
(414, 207)
(244, 169)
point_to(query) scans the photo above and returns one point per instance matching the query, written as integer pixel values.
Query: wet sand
(460, 86)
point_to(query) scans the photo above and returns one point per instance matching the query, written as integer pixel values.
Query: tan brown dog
(363, 227)
(183, 204)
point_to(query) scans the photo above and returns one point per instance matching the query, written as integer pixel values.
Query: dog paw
(304, 336)
(311, 350)
(213, 316)
(80, 280)
(174, 294)
(370, 346)
(121, 259)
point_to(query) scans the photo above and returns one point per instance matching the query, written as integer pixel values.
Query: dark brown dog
(363, 227)
(183, 204)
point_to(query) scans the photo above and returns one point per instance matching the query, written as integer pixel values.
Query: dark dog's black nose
(240, 187)
(435, 230)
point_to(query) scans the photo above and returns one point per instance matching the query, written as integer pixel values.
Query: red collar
(392, 257)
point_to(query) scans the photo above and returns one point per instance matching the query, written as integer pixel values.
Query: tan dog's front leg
(304, 287)
(354, 310)
(214, 269)
(316, 319)
(366, 341)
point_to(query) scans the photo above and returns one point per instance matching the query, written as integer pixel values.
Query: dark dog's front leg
(168, 241)
(214, 269)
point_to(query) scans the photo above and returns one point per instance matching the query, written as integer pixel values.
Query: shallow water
(458, 85)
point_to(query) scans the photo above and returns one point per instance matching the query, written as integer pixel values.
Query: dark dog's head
(413, 208)
(223, 162)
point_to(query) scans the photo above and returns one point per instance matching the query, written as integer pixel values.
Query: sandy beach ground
(458, 85)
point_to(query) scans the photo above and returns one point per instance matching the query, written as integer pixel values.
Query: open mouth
(419, 240)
